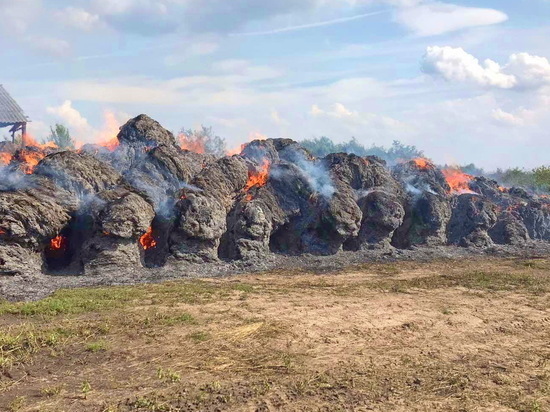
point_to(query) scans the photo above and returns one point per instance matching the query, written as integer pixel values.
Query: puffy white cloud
(79, 127)
(78, 18)
(434, 18)
(522, 70)
(531, 71)
(455, 64)
(67, 114)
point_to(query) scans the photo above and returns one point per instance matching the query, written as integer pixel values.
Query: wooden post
(23, 134)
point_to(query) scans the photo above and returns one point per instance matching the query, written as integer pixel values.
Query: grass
(78, 301)
(199, 336)
(477, 280)
(168, 375)
(94, 347)
(298, 341)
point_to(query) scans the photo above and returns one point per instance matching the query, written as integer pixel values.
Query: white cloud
(195, 49)
(78, 18)
(507, 118)
(522, 71)
(531, 71)
(455, 64)
(18, 15)
(433, 18)
(50, 45)
(356, 123)
(71, 117)
(79, 127)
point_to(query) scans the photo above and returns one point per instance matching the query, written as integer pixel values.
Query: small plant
(85, 388)
(51, 391)
(199, 336)
(243, 287)
(168, 375)
(184, 318)
(94, 347)
(447, 311)
(17, 404)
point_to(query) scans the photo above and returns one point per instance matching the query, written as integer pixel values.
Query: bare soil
(459, 334)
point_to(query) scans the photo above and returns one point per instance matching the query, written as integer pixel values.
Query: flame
(239, 149)
(30, 141)
(58, 243)
(502, 189)
(259, 177)
(191, 143)
(30, 160)
(5, 158)
(422, 163)
(236, 150)
(110, 144)
(148, 241)
(107, 136)
(458, 181)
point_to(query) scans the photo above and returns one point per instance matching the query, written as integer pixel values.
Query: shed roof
(10, 111)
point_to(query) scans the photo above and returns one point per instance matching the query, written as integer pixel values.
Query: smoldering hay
(146, 202)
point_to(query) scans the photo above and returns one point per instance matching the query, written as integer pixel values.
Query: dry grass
(446, 336)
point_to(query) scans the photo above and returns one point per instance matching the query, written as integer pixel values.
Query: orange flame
(458, 181)
(422, 163)
(5, 158)
(58, 243)
(239, 149)
(110, 144)
(31, 142)
(259, 177)
(148, 241)
(236, 150)
(191, 143)
(30, 160)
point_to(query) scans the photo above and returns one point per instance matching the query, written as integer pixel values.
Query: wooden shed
(11, 115)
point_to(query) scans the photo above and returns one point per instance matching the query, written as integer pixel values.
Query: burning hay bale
(472, 218)
(111, 228)
(201, 213)
(141, 200)
(509, 230)
(78, 173)
(33, 210)
(427, 206)
(378, 195)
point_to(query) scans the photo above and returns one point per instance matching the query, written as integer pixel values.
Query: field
(450, 335)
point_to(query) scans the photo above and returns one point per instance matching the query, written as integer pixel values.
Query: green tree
(542, 178)
(319, 147)
(322, 146)
(61, 136)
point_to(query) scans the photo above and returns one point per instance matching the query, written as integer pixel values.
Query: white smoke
(315, 173)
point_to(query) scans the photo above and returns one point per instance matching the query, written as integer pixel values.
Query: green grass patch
(98, 346)
(198, 336)
(478, 280)
(78, 301)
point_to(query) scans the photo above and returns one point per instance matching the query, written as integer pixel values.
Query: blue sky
(466, 81)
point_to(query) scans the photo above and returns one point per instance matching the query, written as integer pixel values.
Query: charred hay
(145, 202)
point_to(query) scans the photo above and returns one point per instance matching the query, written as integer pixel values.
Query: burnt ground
(452, 333)
(38, 286)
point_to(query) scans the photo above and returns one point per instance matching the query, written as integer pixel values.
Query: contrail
(311, 25)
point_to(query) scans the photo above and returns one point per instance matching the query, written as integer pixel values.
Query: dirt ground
(450, 335)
